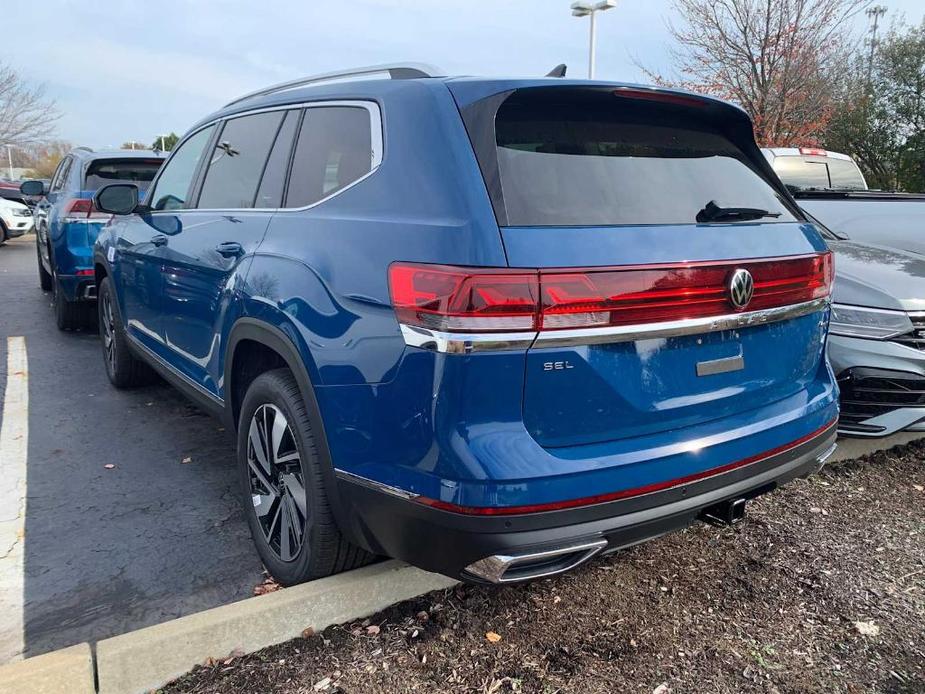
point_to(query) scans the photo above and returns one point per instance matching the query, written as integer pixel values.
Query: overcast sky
(131, 69)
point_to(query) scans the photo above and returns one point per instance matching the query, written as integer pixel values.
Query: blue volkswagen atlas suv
(66, 223)
(491, 327)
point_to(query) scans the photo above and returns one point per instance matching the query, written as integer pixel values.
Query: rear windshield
(819, 172)
(613, 162)
(105, 171)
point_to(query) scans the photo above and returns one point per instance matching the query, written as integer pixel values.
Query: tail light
(473, 300)
(813, 152)
(81, 209)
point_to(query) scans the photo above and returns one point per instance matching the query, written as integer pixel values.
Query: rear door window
(173, 185)
(273, 183)
(595, 162)
(238, 160)
(334, 150)
(102, 172)
(61, 174)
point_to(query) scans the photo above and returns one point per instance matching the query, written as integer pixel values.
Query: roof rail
(395, 71)
(85, 148)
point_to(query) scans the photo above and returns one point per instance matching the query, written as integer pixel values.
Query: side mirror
(118, 198)
(32, 188)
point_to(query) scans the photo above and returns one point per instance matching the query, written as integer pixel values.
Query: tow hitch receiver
(725, 513)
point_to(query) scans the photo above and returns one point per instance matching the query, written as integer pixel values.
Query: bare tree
(27, 116)
(775, 58)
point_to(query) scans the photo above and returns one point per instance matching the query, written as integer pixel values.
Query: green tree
(165, 143)
(881, 121)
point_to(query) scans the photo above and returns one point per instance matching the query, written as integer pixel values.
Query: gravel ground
(822, 589)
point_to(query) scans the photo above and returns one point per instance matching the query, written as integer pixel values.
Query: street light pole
(9, 157)
(587, 9)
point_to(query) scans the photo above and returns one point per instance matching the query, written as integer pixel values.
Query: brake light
(81, 209)
(663, 97)
(85, 273)
(451, 299)
(813, 152)
(465, 300)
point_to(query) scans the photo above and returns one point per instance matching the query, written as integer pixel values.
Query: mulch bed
(822, 589)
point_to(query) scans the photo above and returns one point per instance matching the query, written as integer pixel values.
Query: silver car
(877, 338)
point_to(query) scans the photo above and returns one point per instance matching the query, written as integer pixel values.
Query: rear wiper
(715, 213)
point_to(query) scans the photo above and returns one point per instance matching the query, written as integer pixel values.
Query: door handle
(229, 249)
(159, 240)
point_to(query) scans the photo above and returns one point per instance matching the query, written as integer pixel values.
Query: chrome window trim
(376, 140)
(466, 343)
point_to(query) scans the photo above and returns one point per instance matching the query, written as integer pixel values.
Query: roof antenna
(557, 71)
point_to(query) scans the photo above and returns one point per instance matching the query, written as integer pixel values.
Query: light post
(584, 9)
(9, 158)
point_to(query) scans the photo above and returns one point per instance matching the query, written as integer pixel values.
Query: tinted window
(270, 193)
(804, 172)
(174, 184)
(798, 172)
(333, 151)
(587, 160)
(105, 171)
(61, 175)
(238, 160)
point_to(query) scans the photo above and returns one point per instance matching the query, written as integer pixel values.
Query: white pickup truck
(831, 187)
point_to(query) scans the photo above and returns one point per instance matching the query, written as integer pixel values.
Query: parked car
(67, 223)
(895, 220)
(491, 327)
(15, 219)
(815, 168)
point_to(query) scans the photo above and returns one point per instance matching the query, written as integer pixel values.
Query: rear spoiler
(854, 195)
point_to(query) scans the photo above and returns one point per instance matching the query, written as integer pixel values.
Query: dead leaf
(918, 487)
(109, 466)
(867, 628)
(322, 684)
(372, 630)
(662, 689)
(308, 632)
(493, 637)
(268, 586)
(186, 460)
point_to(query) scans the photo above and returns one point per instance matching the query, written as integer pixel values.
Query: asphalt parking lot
(109, 550)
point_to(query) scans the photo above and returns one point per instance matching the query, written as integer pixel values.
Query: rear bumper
(78, 287)
(389, 521)
(882, 386)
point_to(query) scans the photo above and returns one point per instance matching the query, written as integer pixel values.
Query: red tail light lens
(813, 152)
(78, 209)
(82, 208)
(464, 300)
(468, 300)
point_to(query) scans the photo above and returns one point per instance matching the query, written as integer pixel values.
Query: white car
(15, 219)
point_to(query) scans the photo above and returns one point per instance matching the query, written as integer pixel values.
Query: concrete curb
(148, 658)
(142, 660)
(68, 671)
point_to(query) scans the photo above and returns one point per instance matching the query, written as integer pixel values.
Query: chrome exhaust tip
(513, 568)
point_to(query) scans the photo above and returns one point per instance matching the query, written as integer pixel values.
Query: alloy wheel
(276, 483)
(108, 328)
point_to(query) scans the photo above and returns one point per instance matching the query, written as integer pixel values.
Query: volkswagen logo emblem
(741, 288)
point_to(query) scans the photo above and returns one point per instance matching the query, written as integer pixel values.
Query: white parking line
(14, 442)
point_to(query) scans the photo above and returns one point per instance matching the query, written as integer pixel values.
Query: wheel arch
(249, 331)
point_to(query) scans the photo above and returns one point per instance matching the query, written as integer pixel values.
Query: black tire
(44, 275)
(69, 315)
(123, 369)
(321, 549)
(3, 234)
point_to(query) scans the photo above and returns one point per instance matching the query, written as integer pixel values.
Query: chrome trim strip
(186, 379)
(377, 486)
(828, 453)
(689, 326)
(493, 568)
(466, 343)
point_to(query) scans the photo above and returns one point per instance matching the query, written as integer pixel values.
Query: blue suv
(491, 327)
(66, 223)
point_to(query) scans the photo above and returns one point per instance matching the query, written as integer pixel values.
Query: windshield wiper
(713, 212)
